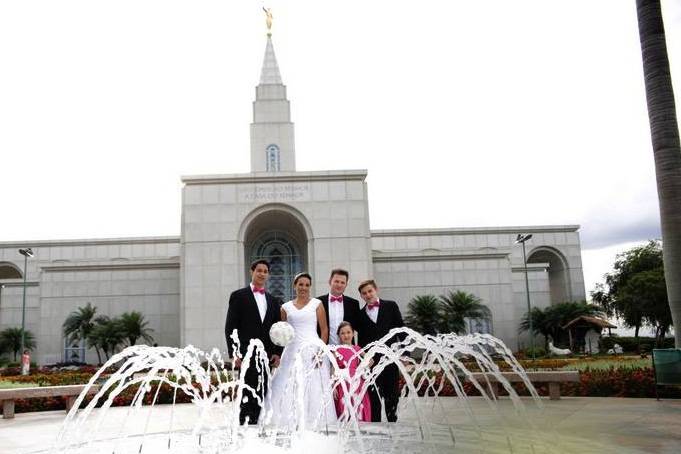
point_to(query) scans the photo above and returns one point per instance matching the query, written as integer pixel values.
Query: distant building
(312, 221)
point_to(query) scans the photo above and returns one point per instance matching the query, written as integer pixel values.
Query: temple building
(312, 221)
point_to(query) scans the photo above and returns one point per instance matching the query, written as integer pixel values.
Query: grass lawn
(630, 362)
(13, 385)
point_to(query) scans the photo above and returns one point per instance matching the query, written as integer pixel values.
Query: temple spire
(272, 137)
(269, 75)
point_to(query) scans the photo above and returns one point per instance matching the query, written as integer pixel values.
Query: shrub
(538, 352)
(629, 344)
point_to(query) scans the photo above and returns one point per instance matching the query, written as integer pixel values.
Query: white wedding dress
(300, 395)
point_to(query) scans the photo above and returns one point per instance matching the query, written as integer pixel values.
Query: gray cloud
(600, 233)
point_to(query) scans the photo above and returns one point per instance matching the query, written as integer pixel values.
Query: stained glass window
(285, 262)
(272, 158)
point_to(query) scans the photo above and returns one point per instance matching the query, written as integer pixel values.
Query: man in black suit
(339, 307)
(252, 311)
(376, 319)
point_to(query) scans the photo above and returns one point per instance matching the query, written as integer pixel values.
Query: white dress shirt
(373, 312)
(335, 318)
(261, 301)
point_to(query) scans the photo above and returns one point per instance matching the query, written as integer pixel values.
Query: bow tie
(258, 290)
(336, 299)
(373, 304)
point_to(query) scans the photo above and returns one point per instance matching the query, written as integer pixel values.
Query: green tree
(649, 290)
(423, 314)
(10, 340)
(457, 306)
(79, 325)
(106, 335)
(134, 327)
(540, 324)
(666, 146)
(635, 291)
(549, 321)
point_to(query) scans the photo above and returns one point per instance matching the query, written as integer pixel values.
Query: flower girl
(348, 358)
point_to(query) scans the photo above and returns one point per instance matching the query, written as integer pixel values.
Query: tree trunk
(666, 147)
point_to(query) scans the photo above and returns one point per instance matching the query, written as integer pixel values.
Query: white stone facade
(313, 221)
(116, 276)
(485, 262)
(325, 213)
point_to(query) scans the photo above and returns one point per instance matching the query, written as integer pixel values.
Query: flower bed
(599, 377)
(166, 393)
(47, 377)
(12, 371)
(610, 382)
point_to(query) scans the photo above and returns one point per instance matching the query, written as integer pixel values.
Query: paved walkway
(571, 425)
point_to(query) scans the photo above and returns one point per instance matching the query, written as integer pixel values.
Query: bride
(300, 394)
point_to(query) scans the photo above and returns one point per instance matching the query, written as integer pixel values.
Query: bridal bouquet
(281, 333)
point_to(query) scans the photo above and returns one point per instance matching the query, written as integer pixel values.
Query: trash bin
(667, 366)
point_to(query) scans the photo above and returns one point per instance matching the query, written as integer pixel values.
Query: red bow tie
(258, 290)
(336, 299)
(373, 304)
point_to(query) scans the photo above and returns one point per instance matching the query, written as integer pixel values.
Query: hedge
(629, 344)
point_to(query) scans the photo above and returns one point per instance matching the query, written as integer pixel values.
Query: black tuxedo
(386, 385)
(350, 310)
(244, 316)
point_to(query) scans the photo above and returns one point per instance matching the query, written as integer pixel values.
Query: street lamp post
(2, 287)
(522, 239)
(28, 252)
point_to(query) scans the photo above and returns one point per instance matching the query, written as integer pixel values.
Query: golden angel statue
(268, 19)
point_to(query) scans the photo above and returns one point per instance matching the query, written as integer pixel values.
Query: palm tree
(10, 340)
(549, 321)
(423, 314)
(540, 324)
(666, 146)
(79, 324)
(106, 335)
(457, 306)
(134, 327)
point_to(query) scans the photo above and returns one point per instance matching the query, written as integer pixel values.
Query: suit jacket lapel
(364, 311)
(325, 302)
(380, 319)
(269, 313)
(254, 304)
(347, 309)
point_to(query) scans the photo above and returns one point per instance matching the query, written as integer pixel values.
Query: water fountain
(427, 363)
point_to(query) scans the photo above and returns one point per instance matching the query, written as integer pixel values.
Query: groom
(338, 306)
(252, 311)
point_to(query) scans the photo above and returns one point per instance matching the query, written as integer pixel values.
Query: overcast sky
(484, 113)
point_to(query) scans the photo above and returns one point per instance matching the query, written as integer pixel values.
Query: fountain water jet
(426, 363)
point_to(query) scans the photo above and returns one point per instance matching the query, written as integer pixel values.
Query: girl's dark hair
(299, 275)
(343, 325)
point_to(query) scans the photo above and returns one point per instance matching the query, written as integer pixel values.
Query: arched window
(285, 262)
(272, 158)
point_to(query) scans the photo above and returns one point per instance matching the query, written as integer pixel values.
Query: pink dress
(344, 356)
